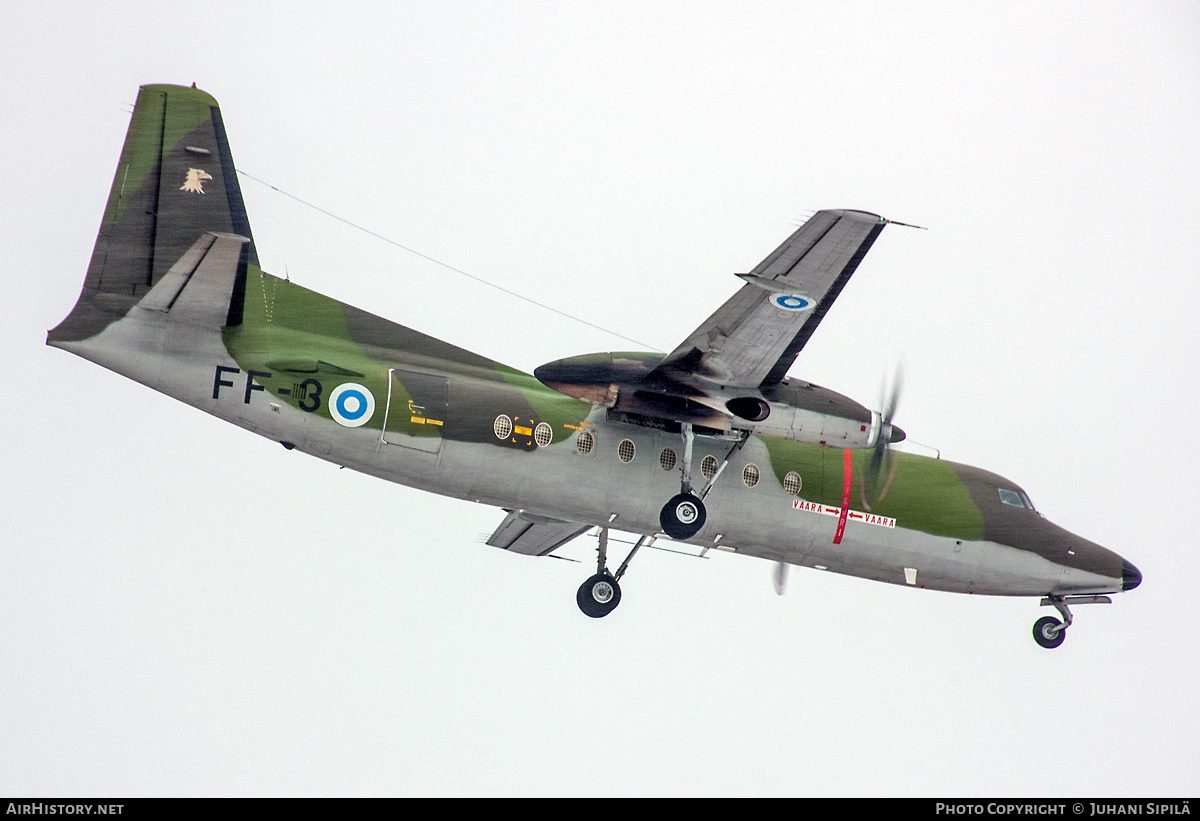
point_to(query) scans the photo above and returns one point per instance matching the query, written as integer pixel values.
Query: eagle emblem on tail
(194, 182)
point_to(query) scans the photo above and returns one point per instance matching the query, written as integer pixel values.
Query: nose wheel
(1049, 632)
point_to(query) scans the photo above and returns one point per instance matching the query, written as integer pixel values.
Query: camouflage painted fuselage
(213, 330)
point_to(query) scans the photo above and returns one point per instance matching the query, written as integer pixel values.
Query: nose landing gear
(1048, 631)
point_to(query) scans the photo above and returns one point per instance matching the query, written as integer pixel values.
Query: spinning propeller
(881, 468)
(882, 464)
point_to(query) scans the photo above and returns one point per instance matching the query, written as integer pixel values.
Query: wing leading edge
(751, 340)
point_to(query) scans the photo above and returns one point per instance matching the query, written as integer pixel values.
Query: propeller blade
(890, 401)
(779, 578)
(893, 399)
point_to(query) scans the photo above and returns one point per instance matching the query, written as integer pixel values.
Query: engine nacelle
(792, 409)
(800, 425)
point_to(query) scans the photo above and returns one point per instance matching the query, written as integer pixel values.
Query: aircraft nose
(1131, 577)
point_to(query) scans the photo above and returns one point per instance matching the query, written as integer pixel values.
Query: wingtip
(873, 217)
(855, 213)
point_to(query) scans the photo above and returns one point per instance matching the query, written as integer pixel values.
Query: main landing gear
(600, 595)
(1048, 631)
(683, 515)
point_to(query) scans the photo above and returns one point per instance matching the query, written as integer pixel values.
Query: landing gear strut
(600, 594)
(1048, 631)
(683, 515)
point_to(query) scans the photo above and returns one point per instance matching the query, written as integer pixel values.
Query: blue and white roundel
(791, 302)
(351, 405)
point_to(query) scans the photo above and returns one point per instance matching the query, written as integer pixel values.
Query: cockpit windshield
(1016, 498)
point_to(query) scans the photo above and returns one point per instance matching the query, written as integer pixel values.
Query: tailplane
(174, 184)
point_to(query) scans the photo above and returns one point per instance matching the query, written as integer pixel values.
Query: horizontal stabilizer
(533, 535)
(206, 286)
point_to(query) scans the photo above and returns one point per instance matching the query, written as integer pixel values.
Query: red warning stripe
(848, 465)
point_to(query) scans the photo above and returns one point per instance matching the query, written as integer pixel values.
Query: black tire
(1049, 632)
(598, 596)
(683, 516)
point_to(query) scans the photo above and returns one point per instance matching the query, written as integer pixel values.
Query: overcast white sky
(188, 609)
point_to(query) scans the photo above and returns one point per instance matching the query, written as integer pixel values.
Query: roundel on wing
(351, 405)
(794, 303)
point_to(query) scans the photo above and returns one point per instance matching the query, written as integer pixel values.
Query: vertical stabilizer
(174, 183)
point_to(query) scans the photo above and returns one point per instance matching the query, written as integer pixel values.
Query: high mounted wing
(751, 341)
(730, 372)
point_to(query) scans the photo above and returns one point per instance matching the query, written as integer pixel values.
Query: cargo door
(416, 410)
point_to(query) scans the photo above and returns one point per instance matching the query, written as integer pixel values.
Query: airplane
(712, 444)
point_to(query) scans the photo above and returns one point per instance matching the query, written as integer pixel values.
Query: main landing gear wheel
(1049, 632)
(683, 516)
(598, 596)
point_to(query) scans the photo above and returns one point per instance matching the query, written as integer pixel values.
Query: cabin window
(1011, 497)
(584, 442)
(708, 466)
(792, 483)
(626, 450)
(667, 459)
(751, 475)
(543, 434)
(502, 427)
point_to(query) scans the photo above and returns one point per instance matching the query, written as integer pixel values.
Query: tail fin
(174, 183)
